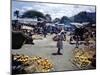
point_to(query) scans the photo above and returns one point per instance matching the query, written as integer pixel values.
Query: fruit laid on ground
(40, 64)
(83, 57)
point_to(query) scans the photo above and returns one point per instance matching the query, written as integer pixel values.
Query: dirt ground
(45, 48)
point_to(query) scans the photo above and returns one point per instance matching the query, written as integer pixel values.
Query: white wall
(5, 37)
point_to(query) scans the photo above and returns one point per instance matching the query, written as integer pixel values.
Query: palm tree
(16, 13)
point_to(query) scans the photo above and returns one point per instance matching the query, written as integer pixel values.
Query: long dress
(60, 42)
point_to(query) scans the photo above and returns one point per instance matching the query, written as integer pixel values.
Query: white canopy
(29, 21)
(78, 25)
(27, 27)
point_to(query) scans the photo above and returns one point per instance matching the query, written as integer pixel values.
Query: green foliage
(16, 13)
(32, 14)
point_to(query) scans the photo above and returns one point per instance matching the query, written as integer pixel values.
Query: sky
(55, 10)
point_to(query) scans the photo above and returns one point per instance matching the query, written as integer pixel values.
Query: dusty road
(45, 48)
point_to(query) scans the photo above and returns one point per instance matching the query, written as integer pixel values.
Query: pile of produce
(83, 57)
(43, 65)
(32, 64)
(37, 37)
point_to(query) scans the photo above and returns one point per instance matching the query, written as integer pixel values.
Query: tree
(32, 14)
(56, 20)
(48, 17)
(85, 17)
(16, 13)
(65, 20)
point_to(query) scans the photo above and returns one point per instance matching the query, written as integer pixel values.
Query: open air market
(42, 44)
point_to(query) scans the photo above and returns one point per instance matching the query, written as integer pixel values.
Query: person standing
(77, 34)
(59, 44)
(45, 31)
